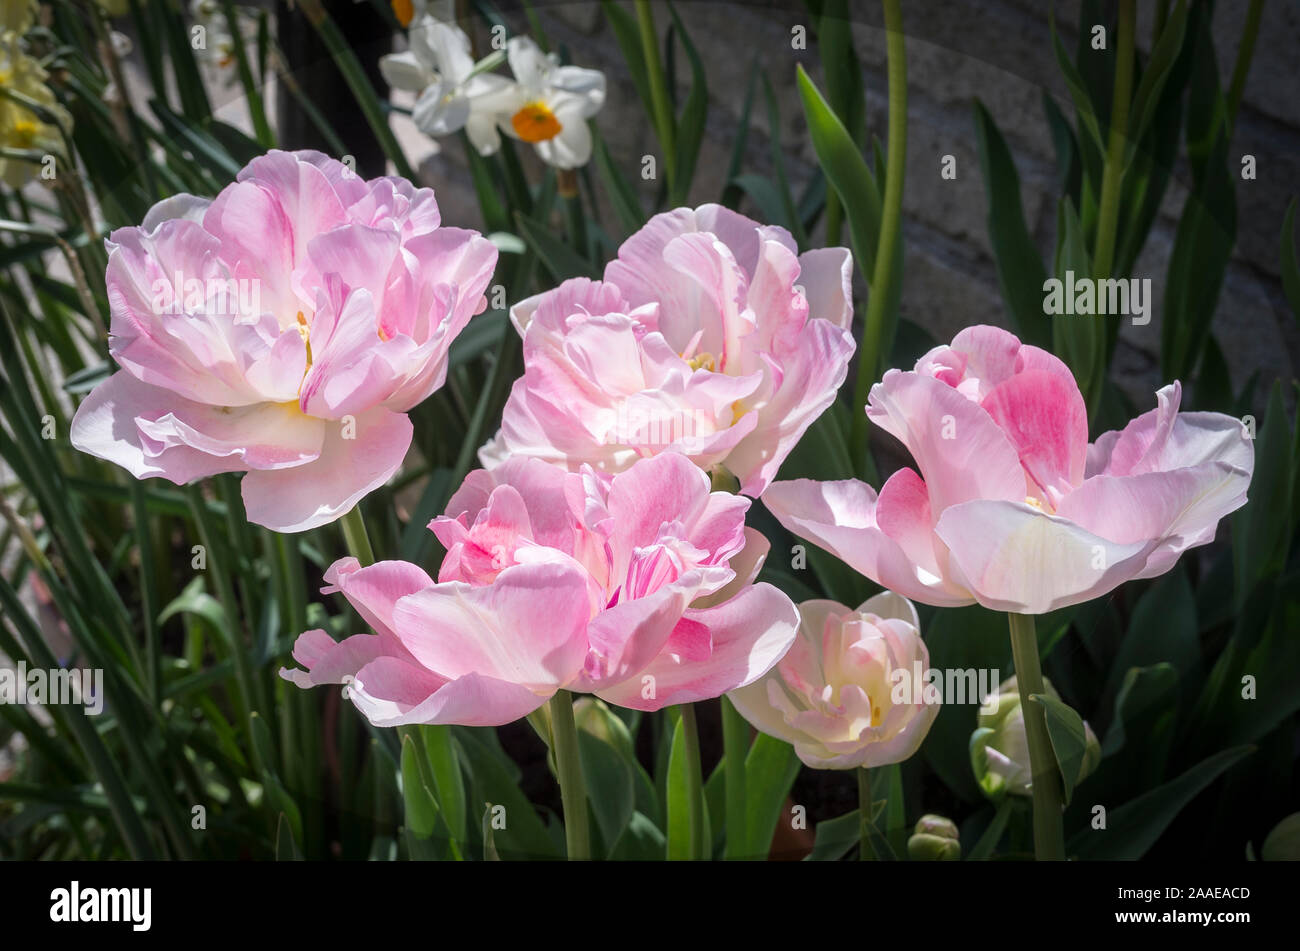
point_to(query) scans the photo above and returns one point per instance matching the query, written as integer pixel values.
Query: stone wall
(999, 52)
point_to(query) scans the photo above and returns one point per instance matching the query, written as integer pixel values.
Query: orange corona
(535, 122)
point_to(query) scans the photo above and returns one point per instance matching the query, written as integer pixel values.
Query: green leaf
(87, 378)
(846, 171)
(690, 122)
(286, 849)
(1021, 273)
(1163, 628)
(844, 86)
(1146, 708)
(524, 835)
(1154, 77)
(680, 845)
(730, 193)
(480, 335)
(560, 259)
(834, 838)
(207, 150)
(1261, 530)
(448, 782)
(629, 43)
(772, 206)
(1202, 247)
(642, 841)
(1133, 828)
(622, 195)
(1078, 89)
(421, 809)
(611, 790)
(770, 771)
(1069, 741)
(1078, 339)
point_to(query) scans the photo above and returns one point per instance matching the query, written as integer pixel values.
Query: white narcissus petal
(587, 84)
(405, 71)
(442, 109)
(527, 62)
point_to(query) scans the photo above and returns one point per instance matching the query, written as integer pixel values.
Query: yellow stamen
(535, 122)
(304, 331)
(24, 133)
(702, 361)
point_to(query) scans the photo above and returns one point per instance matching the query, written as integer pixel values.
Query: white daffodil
(454, 92)
(551, 104)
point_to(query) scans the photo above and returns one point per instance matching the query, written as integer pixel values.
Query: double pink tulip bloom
(833, 695)
(1012, 507)
(283, 328)
(635, 587)
(709, 336)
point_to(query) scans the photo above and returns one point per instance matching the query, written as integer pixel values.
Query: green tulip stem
(1045, 785)
(1113, 170)
(568, 769)
(356, 536)
(694, 780)
(875, 342)
(866, 851)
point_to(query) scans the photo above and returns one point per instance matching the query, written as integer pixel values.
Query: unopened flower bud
(935, 840)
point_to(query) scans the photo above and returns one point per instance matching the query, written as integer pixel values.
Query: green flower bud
(935, 839)
(999, 748)
(1283, 843)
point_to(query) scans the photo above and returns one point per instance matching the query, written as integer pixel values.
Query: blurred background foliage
(100, 570)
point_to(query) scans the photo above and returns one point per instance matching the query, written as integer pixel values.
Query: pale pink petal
(471, 700)
(749, 635)
(1016, 558)
(1045, 418)
(357, 457)
(841, 518)
(153, 432)
(528, 627)
(374, 590)
(960, 451)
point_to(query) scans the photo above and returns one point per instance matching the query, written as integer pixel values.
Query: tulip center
(702, 361)
(1039, 504)
(535, 122)
(304, 331)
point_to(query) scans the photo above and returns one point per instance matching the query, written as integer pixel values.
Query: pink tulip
(851, 690)
(709, 336)
(636, 587)
(284, 329)
(1012, 507)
